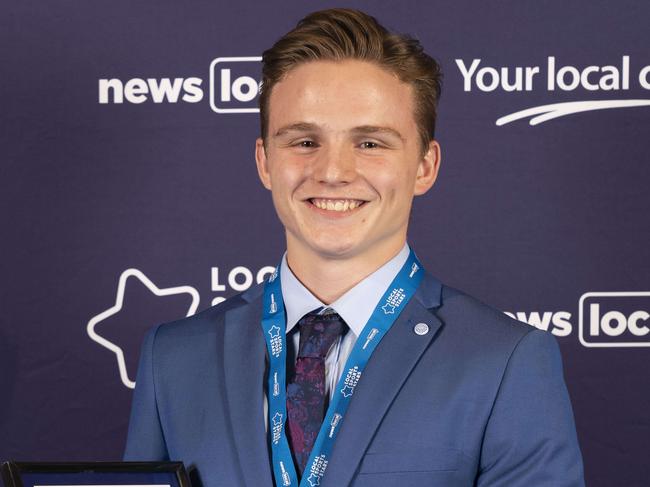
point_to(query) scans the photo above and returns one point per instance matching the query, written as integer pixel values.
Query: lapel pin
(421, 329)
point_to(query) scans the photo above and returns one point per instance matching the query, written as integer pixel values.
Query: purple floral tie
(306, 391)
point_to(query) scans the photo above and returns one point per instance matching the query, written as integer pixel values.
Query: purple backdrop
(129, 196)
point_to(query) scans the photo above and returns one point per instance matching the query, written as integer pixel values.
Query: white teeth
(336, 205)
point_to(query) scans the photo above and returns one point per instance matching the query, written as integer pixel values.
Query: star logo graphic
(388, 308)
(347, 391)
(277, 419)
(274, 331)
(119, 302)
(313, 480)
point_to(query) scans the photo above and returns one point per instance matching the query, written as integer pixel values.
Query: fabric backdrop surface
(129, 196)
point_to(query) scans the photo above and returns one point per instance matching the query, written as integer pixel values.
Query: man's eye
(369, 145)
(307, 144)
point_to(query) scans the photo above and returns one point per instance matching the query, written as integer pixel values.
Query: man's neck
(329, 278)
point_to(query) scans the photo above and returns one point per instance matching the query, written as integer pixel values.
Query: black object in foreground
(94, 474)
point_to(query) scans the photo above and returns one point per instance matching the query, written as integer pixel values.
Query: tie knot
(318, 332)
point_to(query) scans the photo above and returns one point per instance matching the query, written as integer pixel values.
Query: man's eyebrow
(296, 127)
(372, 129)
(361, 130)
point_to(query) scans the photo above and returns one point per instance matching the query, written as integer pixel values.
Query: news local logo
(605, 319)
(233, 87)
(614, 319)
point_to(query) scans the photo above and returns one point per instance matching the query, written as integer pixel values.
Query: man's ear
(262, 165)
(428, 169)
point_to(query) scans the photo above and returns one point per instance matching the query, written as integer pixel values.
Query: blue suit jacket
(478, 400)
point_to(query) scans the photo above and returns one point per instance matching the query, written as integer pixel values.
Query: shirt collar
(355, 306)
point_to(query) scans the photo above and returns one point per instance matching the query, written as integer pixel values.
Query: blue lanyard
(274, 320)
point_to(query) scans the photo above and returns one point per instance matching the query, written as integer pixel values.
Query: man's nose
(335, 165)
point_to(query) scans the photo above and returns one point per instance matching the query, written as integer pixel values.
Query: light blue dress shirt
(355, 307)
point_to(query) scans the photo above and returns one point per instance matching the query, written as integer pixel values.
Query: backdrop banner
(129, 196)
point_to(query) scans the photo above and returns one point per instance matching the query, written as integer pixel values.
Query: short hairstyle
(339, 34)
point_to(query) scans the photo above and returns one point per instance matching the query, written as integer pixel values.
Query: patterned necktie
(306, 392)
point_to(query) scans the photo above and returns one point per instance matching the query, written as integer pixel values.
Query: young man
(352, 365)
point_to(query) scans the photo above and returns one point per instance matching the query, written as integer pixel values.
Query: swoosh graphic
(544, 113)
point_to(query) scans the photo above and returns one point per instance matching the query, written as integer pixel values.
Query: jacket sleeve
(530, 439)
(145, 440)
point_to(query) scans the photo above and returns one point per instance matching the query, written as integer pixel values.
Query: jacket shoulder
(470, 317)
(200, 326)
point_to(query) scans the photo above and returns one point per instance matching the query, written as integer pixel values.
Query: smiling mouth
(338, 205)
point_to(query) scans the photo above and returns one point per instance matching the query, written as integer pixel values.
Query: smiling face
(343, 160)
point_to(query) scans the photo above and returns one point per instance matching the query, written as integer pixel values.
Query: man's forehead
(349, 73)
(346, 95)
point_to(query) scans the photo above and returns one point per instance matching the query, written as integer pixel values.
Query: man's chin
(336, 250)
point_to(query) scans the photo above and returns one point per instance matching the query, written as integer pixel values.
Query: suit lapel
(244, 361)
(388, 368)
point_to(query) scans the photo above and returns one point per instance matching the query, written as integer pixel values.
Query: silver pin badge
(421, 329)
